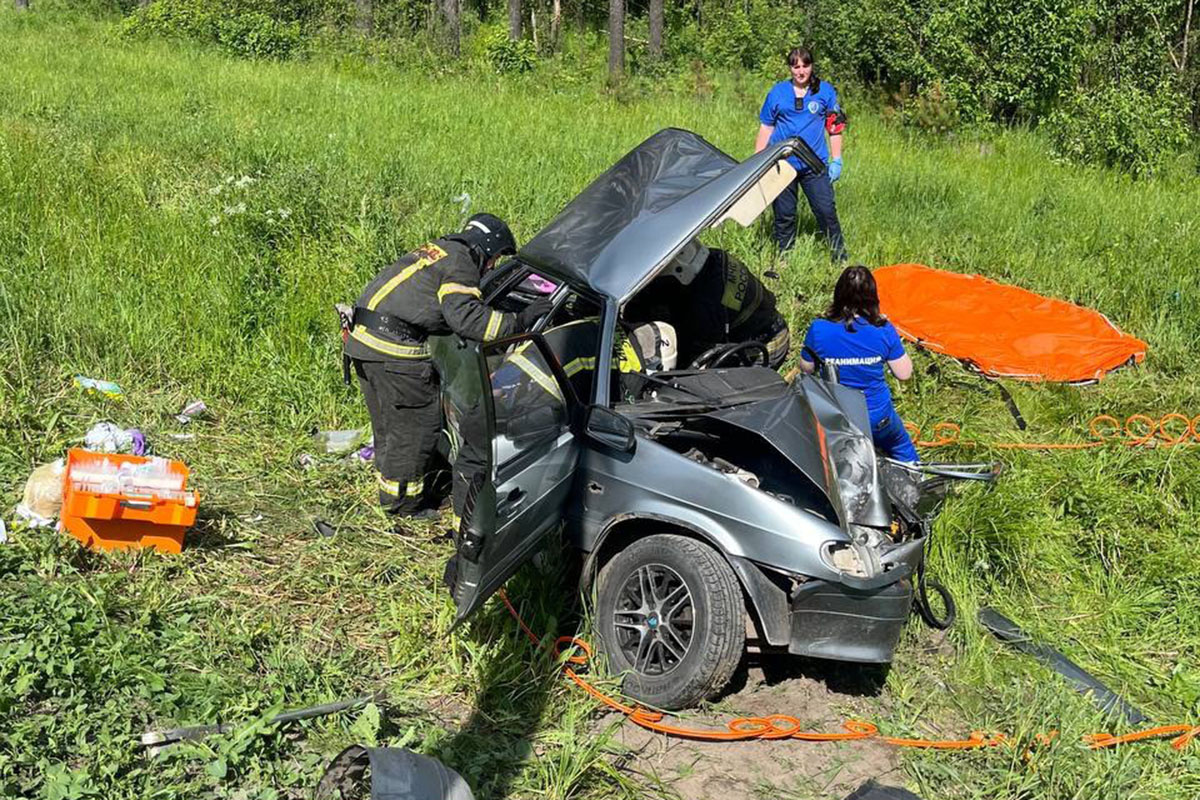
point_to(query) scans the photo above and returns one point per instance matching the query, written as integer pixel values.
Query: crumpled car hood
(820, 428)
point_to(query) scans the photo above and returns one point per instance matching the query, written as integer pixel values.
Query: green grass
(128, 251)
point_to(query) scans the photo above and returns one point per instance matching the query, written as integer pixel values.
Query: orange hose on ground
(783, 726)
(1137, 430)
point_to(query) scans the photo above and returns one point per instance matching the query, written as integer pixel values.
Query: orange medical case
(151, 512)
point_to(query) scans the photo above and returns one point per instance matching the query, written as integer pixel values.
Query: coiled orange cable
(783, 726)
(775, 726)
(1168, 430)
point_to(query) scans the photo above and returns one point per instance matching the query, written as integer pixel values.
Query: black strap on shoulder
(388, 323)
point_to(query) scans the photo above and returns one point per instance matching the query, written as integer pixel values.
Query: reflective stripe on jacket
(435, 289)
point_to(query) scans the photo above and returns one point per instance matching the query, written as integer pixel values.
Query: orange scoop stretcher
(1000, 330)
(113, 501)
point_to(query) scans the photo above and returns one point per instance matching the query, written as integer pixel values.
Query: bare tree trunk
(364, 16)
(1187, 32)
(656, 29)
(556, 26)
(533, 27)
(22, 5)
(514, 19)
(144, 3)
(616, 41)
(453, 21)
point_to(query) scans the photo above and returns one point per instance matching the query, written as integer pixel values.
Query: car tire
(642, 616)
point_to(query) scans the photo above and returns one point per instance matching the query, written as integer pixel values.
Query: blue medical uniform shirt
(860, 357)
(779, 110)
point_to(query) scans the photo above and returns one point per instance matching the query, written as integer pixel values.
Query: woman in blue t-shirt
(856, 339)
(807, 108)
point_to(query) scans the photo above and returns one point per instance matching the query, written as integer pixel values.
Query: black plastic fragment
(1104, 698)
(873, 791)
(392, 773)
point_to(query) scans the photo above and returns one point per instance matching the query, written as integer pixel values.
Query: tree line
(1112, 81)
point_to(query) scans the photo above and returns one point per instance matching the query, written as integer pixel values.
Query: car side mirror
(610, 428)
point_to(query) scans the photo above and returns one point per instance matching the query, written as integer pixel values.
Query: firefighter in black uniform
(720, 302)
(432, 290)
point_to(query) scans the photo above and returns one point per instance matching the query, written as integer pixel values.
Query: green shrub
(170, 19)
(248, 28)
(255, 35)
(932, 109)
(506, 55)
(1121, 126)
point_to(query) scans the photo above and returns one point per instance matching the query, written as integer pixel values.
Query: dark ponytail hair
(855, 295)
(802, 55)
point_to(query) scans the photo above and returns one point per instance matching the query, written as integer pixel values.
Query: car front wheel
(669, 613)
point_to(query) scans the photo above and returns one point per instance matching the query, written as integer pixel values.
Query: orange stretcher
(1000, 330)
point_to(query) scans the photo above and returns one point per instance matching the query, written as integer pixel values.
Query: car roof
(617, 234)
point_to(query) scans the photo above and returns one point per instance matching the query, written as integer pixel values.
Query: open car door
(509, 414)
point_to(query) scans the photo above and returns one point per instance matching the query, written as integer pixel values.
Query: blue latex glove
(835, 170)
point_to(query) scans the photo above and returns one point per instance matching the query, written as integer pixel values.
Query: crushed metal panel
(759, 196)
(849, 450)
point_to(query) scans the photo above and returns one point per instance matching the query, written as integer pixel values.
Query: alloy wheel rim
(654, 619)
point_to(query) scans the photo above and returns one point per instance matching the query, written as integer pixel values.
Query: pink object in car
(540, 284)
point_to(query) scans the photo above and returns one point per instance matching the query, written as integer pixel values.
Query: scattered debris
(43, 495)
(1104, 698)
(159, 740)
(31, 518)
(182, 437)
(95, 386)
(106, 437)
(334, 442)
(192, 409)
(306, 460)
(3, 532)
(324, 529)
(464, 200)
(873, 791)
(394, 772)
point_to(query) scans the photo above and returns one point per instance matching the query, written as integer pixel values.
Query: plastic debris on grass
(337, 442)
(43, 495)
(192, 409)
(106, 437)
(108, 389)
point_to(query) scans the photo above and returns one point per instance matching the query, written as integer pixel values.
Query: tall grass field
(182, 223)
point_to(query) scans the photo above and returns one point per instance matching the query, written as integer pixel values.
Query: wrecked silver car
(701, 497)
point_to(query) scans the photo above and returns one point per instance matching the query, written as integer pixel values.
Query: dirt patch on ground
(820, 694)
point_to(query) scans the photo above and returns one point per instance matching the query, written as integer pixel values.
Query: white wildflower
(214, 220)
(240, 208)
(215, 190)
(244, 181)
(284, 213)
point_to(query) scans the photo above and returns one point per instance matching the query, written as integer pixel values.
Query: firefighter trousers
(402, 398)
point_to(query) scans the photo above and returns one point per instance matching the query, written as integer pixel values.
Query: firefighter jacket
(432, 290)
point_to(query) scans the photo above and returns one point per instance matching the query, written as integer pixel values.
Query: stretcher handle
(137, 505)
